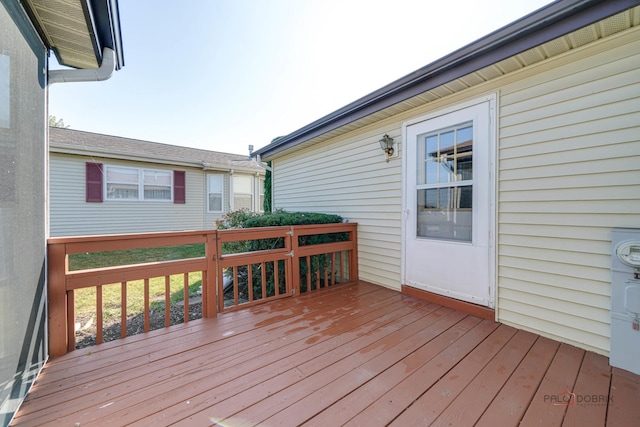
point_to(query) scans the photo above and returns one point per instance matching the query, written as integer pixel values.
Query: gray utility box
(625, 299)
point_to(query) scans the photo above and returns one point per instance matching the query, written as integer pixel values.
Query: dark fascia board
(545, 24)
(107, 26)
(103, 22)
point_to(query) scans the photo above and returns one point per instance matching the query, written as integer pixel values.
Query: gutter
(107, 67)
(552, 21)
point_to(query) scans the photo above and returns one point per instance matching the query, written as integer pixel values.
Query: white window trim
(140, 172)
(221, 175)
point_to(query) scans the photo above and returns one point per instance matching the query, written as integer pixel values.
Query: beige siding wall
(70, 215)
(569, 171)
(350, 177)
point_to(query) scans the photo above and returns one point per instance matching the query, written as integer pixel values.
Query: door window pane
(445, 166)
(445, 213)
(446, 156)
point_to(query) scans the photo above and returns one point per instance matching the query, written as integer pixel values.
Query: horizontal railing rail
(63, 282)
(240, 267)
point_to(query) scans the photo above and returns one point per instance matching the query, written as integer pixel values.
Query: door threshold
(463, 306)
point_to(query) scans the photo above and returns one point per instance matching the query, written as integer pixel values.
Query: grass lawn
(85, 299)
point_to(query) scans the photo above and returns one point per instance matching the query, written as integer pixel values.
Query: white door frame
(493, 167)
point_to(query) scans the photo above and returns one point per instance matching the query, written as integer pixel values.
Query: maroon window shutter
(179, 188)
(94, 182)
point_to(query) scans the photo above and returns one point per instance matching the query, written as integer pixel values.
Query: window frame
(454, 183)
(141, 173)
(261, 180)
(235, 192)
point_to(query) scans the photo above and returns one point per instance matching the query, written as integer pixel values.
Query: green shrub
(246, 219)
(235, 219)
(280, 217)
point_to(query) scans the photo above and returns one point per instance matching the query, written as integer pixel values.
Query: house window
(242, 192)
(124, 183)
(215, 190)
(261, 194)
(157, 185)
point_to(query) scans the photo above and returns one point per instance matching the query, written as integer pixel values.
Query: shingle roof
(72, 141)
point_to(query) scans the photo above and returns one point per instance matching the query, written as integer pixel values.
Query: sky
(223, 74)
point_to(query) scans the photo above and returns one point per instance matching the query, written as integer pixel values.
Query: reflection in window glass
(157, 185)
(124, 183)
(215, 192)
(242, 192)
(445, 184)
(261, 194)
(447, 140)
(445, 213)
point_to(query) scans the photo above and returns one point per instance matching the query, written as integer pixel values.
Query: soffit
(561, 45)
(67, 26)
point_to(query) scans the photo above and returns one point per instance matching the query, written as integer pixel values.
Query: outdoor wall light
(386, 143)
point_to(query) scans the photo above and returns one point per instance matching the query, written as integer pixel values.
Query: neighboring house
(102, 184)
(548, 109)
(84, 35)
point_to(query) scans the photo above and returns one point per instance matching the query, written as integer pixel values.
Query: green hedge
(246, 219)
(279, 218)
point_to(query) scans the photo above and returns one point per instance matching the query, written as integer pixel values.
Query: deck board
(509, 405)
(348, 355)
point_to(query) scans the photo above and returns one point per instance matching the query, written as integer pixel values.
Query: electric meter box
(625, 299)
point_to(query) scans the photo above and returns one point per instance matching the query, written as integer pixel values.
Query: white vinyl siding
(568, 172)
(71, 215)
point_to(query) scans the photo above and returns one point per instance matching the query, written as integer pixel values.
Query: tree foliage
(54, 122)
(267, 184)
(267, 189)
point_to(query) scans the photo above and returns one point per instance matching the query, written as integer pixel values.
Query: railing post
(294, 271)
(209, 278)
(57, 295)
(219, 280)
(354, 255)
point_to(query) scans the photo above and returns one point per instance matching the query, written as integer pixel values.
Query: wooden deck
(349, 355)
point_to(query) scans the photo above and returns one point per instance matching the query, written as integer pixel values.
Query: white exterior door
(449, 203)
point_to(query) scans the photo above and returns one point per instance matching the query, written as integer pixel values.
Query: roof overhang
(112, 153)
(548, 23)
(78, 30)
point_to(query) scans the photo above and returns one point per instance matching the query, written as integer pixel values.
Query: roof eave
(543, 25)
(100, 29)
(61, 148)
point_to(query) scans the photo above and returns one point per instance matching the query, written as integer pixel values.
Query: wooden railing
(240, 268)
